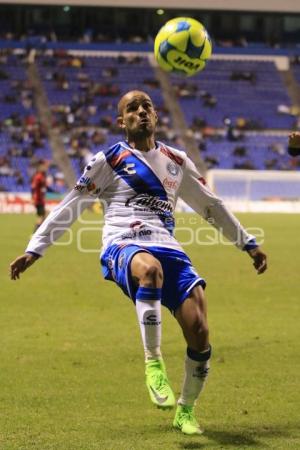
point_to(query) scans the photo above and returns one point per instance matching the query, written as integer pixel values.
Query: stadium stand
(22, 139)
(247, 89)
(220, 105)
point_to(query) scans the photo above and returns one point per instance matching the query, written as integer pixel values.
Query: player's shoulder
(102, 155)
(178, 156)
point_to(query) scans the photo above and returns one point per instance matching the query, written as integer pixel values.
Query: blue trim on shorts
(180, 277)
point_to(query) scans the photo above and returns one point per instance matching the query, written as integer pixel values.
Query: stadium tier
(22, 139)
(83, 93)
(242, 89)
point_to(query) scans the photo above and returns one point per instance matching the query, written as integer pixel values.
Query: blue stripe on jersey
(139, 177)
(136, 173)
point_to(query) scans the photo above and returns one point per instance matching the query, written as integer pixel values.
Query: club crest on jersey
(172, 168)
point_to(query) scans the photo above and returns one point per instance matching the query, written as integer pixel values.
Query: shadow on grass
(249, 437)
(245, 437)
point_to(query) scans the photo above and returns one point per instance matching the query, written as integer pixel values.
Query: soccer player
(294, 144)
(38, 192)
(139, 180)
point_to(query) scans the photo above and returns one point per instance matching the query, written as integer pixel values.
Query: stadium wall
(292, 6)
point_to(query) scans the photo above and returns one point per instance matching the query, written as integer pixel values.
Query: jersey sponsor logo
(129, 168)
(171, 155)
(147, 202)
(136, 233)
(172, 168)
(170, 184)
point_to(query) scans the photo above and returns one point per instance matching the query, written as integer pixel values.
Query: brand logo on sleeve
(129, 168)
(84, 180)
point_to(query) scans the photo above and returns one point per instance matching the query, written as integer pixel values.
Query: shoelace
(160, 381)
(188, 414)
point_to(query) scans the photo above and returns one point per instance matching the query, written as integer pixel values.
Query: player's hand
(260, 260)
(21, 264)
(294, 144)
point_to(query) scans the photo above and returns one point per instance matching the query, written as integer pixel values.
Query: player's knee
(152, 274)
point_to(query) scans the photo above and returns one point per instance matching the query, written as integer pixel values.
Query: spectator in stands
(240, 151)
(243, 76)
(294, 144)
(295, 59)
(98, 138)
(106, 121)
(277, 147)
(186, 89)
(232, 133)
(208, 99)
(152, 83)
(3, 75)
(19, 178)
(245, 165)
(211, 161)
(109, 72)
(198, 123)
(271, 164)
(5, 167)
(10, 98)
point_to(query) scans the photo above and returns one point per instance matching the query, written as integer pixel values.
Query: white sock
(194, 377)
(149, 317)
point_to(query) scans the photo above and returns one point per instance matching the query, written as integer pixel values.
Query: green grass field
(71, 360)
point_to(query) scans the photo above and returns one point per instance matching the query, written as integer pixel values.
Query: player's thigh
(142, 263)
(192, 313)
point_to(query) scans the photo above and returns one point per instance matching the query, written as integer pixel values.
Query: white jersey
(138, 191)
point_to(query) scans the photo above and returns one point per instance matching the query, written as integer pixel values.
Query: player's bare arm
(20, 264)
(294, 144)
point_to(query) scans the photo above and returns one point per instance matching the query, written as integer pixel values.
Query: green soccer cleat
(185, 420)
(158, 385)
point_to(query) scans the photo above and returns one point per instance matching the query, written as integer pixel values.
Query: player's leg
(41, 214)
(147, 273)
(192, 317)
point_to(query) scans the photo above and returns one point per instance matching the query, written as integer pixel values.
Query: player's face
(137, 115)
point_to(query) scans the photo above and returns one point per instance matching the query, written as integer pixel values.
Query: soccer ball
(182, 46)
